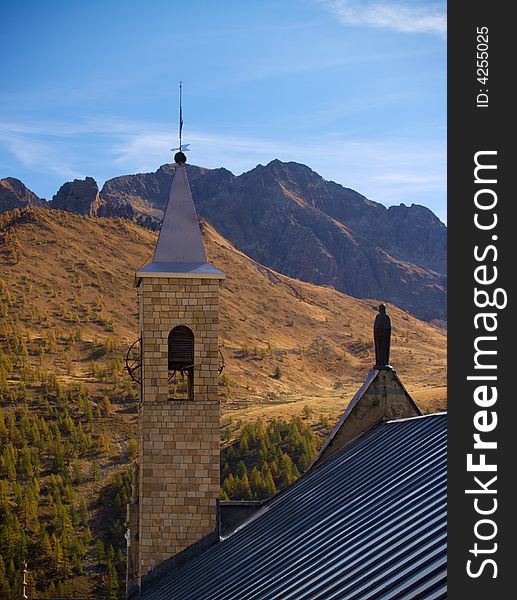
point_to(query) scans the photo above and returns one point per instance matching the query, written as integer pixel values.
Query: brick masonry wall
(179, 439)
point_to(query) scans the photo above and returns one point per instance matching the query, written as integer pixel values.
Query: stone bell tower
(174, 501)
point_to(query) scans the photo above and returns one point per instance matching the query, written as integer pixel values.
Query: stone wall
(382, 397)
(179, 439)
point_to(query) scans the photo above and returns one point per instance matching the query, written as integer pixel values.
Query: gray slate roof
(368, 523)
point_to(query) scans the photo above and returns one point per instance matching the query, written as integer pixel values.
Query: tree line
(266, 458)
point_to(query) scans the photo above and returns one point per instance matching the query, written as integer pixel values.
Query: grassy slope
(76, 273)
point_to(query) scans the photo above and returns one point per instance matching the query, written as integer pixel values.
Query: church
(368, 520)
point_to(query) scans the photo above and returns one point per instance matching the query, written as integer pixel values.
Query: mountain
(289, 218)
(14, 194)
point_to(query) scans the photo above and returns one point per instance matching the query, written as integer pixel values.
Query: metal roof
(179, 250)
(370, 522)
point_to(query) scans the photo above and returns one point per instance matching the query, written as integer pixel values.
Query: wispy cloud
(38, 155)
(386, 170)
(407, 17)
(390, 170)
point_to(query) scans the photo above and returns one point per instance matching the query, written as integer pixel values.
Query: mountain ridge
(289, 218)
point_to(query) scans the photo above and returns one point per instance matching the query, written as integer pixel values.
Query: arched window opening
(181, 364)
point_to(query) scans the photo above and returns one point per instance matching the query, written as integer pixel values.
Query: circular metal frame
(134, 363)
(221, 362)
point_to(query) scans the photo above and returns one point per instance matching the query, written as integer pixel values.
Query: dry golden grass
(76, 274)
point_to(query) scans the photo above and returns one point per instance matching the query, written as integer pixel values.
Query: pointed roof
(381, 397)
(179, 251)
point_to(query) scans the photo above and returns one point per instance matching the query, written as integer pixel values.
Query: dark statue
(382, 336)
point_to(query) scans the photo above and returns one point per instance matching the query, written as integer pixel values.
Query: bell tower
(176, 483)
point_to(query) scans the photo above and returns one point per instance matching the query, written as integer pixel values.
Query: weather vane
(180, 157)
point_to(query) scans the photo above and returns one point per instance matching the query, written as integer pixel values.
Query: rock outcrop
(80, 196)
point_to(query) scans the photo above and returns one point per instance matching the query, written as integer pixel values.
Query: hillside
(68, 408)
(79, 279)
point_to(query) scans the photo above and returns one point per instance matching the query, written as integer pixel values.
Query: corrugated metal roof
(368, 523)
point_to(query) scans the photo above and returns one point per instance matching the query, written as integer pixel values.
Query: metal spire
(180, 157)
(181, 111)
(179, 251)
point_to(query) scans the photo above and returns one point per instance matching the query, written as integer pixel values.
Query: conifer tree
(30, 589)
(94, 470)
(241, 469)
(112, 584)
(83, 513)
(51, 590)
(3, 428)
(269, 483)
(105, 406)
(11, 573)
(99, 553)
(5, 588)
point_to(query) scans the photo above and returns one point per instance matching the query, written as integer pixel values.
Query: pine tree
(244, 443)
(120, 561)
(241, 469)
(87, 535)
(105, 406)
(269, 483)
(9, 465)
(11, 573)
(229, 486)
(243, 491)
(57, 560)
(30, 589)
(76, 469)
(3, 428)
(112, 584)
(5, 588)
(94, 470)
(83, 513)
(46, 548)
(256, 483)
(99, 553)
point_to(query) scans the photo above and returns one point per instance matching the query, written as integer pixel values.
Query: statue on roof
(382, 337)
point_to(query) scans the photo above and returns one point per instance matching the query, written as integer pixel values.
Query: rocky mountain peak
(14, 194)
(286, 216)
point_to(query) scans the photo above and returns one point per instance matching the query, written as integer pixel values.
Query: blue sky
(354, 89)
